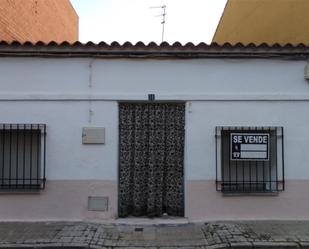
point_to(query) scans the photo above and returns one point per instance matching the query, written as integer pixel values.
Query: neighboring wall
(259, 21)
(38, 20)
(68, 94)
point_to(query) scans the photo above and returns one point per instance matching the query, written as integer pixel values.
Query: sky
(135, 20)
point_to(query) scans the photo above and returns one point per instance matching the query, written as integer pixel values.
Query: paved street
(260, 234)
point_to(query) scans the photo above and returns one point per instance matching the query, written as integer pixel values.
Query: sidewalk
(212, 235)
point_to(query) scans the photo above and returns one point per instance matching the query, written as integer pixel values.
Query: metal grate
(22, 156)
(245, 174)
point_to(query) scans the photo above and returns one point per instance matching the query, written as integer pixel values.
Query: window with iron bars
(250, 175)
(22, 157)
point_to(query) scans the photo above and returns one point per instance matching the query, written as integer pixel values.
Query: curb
(236, 245)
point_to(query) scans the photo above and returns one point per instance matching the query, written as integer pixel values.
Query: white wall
(204, 116)
(67, 157)
(60, 93)
(126, 79)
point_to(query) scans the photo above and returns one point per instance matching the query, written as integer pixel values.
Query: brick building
(38, 20)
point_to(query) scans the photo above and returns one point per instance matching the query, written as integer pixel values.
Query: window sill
(27, 189)
(19, 191)
(274, 193)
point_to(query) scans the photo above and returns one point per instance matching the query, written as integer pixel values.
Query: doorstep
(170, 220)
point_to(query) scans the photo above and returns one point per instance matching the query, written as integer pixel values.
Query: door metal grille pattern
(151, 154)
(22, 157)
(249, 176)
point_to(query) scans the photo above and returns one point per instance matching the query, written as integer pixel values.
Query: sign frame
(250, 134)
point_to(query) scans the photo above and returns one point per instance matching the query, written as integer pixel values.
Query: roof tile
(152, 49)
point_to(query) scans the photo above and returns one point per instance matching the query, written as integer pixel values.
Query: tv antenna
(163, 14)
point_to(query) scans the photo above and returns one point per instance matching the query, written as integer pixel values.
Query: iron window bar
(249, 176)
(22, 157)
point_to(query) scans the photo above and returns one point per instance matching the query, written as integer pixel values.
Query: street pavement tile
(210, 235)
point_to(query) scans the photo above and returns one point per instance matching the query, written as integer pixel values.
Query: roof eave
(152, 50)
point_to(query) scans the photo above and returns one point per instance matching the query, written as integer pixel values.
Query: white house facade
(98, 132)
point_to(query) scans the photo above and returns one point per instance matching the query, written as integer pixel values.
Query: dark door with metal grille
(151, 154)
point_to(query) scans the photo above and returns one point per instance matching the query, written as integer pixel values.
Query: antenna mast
(163, 7)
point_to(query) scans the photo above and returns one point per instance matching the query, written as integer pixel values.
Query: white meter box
(93, 135)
